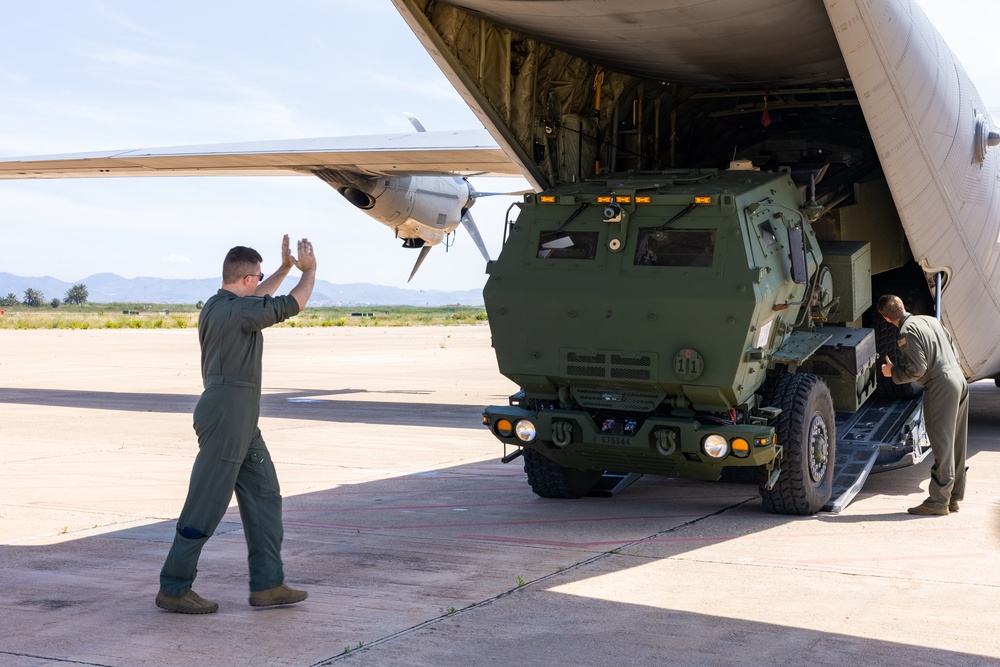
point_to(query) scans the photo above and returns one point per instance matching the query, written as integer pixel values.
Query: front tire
(548, 479)
(807, 432)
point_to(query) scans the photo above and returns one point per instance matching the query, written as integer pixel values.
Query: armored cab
(679, 324)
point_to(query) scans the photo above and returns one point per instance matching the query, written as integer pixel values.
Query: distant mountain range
(108, 288)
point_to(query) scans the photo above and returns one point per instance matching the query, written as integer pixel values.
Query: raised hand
(306, 260)
(287, 261)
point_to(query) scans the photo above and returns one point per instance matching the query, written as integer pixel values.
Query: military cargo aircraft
(571, 88)
(718, 182)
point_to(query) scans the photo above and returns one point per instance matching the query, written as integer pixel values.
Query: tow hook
(562, 433)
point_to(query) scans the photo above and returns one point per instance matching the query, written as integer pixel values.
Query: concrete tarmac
(418, 547)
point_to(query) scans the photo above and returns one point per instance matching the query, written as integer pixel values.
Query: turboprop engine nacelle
(421, 209)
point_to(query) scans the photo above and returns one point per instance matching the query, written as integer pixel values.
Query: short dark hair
(891, 306)
(240, 261)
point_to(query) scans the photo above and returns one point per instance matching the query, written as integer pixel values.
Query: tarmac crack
(66, 661)
(348, 652)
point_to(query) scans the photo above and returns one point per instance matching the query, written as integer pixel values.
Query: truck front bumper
(653, 445)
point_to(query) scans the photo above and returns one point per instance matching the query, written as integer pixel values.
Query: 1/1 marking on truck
(615, 440)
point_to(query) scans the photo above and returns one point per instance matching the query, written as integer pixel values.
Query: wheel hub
(819, 448)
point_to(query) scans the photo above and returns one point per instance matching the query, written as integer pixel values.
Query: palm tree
(33, 297)
(77, 295)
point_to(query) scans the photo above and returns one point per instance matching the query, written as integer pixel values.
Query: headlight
(715, 446)
(525, 430)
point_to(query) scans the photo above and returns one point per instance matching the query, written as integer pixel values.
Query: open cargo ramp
(883, 434)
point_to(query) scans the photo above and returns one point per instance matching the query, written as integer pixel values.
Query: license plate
(615, 440)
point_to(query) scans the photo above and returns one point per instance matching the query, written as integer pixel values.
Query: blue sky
(80, 75)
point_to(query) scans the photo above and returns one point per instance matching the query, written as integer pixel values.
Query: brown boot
(189, 603)
(927, 508)
(278, 595)
(953, 505)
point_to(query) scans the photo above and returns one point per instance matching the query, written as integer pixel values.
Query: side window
(767, 237)
(567, 245)
(675, 247)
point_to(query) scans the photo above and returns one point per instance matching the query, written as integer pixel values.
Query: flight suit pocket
(223, 426)
(263, 476)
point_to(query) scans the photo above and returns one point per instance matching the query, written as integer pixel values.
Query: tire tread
(548, 479)
(793, 493)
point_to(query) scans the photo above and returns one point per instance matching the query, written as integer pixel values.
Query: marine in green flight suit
(232, 456)
(928, 357)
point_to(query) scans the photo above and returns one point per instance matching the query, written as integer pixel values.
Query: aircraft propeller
(470, 226)
(420, 260)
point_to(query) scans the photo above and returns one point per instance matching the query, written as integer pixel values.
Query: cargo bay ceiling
(575, 87)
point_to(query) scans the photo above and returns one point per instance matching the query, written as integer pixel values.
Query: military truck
(691, 323)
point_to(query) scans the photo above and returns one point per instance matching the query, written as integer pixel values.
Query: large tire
(548, 479)
(807, 433)
(886, 336)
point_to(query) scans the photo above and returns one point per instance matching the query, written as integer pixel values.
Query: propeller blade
(470, 226)
(420, 260)
(416, 123)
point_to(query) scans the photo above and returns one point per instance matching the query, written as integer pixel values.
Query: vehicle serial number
(615, 440)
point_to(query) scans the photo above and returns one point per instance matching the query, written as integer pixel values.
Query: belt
(217, 380)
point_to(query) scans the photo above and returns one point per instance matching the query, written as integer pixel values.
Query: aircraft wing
(461, 153)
